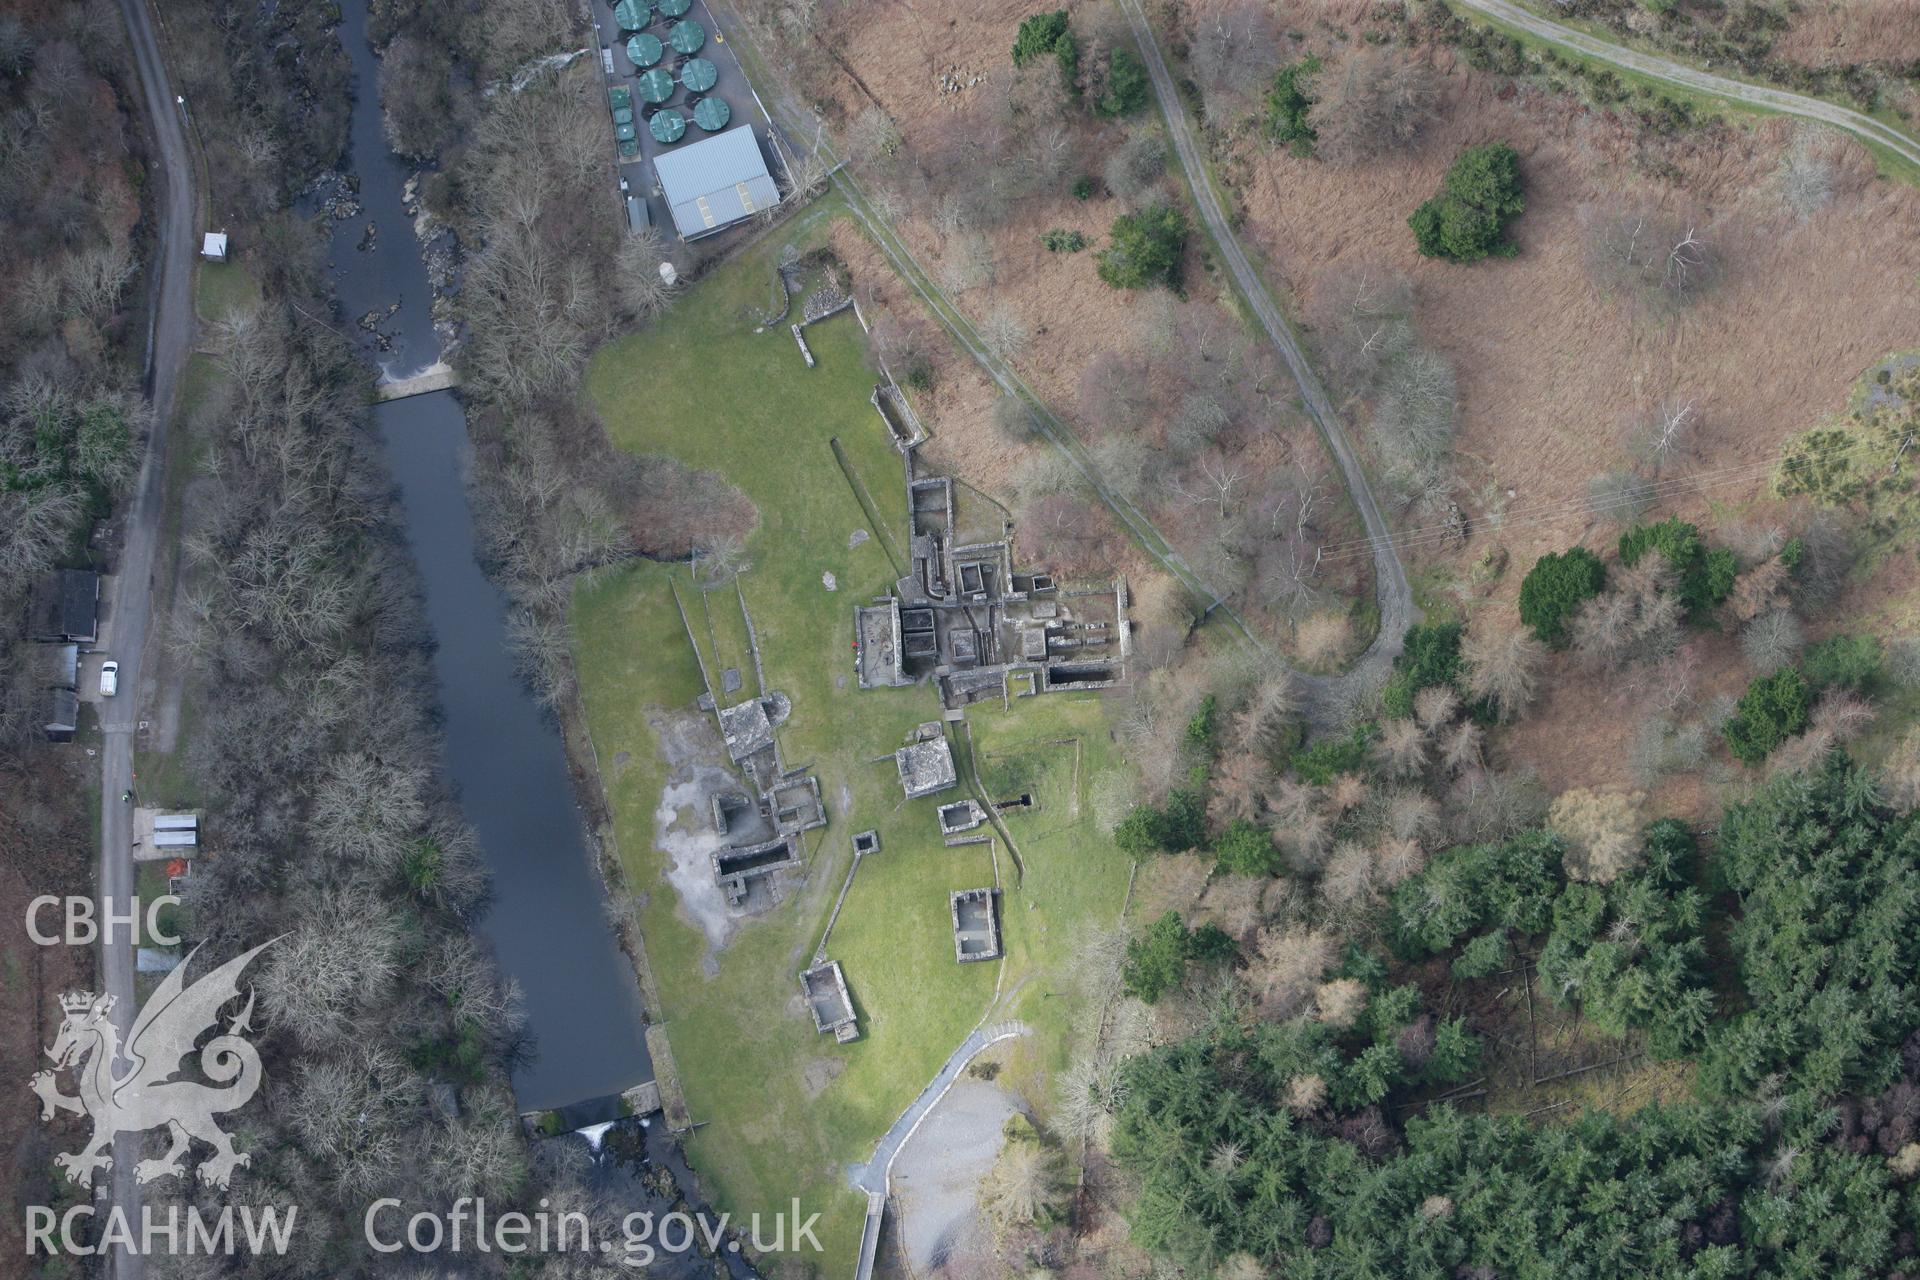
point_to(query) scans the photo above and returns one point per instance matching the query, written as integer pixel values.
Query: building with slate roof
(713, 183)
(66, 606)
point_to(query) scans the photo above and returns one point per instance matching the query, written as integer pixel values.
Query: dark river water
(548, 922)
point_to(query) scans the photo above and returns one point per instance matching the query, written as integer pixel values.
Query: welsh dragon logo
(146, 1095)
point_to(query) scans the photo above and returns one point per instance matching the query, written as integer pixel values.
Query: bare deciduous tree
(1133, 173)
(643, 290)
(1602, 831)
(1005, 334)
(1027, 1180)
(1460, 747)
(1322, 639)
(1377, 100)
(1197, 422)
(1239, 788)
(968, 263)
(1810, 169)
(1288, 964)
(1503, 665)
(1434, 706)
(1114, 395)
(1619, 496)
(1231, 57)
(1760, 589)
(1484, 805)
(1772, 640)
(872, 136)
(1402, 748)
(1339, 1003)
(1650, 257)
(1665, 432)
(1637, 621)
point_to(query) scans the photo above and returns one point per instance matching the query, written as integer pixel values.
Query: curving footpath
(1397, 611)
(1860, 126)
(875, 1177)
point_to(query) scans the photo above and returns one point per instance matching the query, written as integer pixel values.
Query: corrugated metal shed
(715, 182)
(176, 821)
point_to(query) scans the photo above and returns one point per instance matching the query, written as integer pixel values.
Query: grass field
(783, 1109)
(224, 287)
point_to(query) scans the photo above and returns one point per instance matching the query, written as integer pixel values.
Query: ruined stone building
(926, 763)
(825, 988)
(976, 924)
(966, 618)
(762, 825)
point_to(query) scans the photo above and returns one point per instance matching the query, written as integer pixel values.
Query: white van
(109, 678)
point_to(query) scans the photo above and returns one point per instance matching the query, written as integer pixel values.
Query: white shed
(214, 247)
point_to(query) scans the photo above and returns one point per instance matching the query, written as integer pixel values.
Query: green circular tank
(699, 75)
(712, 114)
(633, 14)
(674, 8)
(656, 85)
(644, 49)
(687, 36)
(667, 126)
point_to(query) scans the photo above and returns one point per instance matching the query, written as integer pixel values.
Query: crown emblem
(82, 1001)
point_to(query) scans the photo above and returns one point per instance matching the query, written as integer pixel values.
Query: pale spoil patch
(827, 581)
(681, 832)
(855, 538)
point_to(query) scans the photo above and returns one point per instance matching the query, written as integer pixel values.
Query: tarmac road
(130, 603)
(1674, 73)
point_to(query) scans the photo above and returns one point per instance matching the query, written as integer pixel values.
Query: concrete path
(870, 1234)
(1860, 126)
(1391, 588)
(873, 1175)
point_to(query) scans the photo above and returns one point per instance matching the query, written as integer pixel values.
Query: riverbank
(548, 923)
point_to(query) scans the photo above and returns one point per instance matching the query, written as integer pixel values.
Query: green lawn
(224, 287)
(778, 1121)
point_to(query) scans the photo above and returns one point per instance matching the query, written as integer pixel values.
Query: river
(548, 922)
